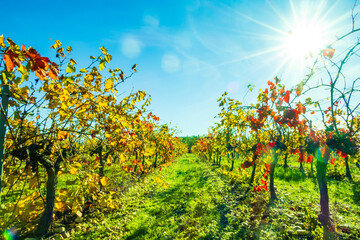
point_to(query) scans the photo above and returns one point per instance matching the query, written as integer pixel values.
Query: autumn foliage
(67, 124)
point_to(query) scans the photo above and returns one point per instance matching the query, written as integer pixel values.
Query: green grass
(193, 200)
(183, 201)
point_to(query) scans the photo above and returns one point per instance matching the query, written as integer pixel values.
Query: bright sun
(304, 39)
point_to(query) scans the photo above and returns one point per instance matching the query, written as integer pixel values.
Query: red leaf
(287, 96)
(309, 159)
(342, 154)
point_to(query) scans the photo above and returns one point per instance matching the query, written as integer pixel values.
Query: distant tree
(189, 141)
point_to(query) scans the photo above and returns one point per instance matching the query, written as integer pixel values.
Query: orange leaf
(53, 72)
(9, 63)
(329, 52)
(40, 73)
(62, 135)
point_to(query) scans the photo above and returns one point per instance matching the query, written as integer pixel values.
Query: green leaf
(70, 68)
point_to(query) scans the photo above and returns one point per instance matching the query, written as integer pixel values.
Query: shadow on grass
(356, 193)
(289, 174)
(138, 233)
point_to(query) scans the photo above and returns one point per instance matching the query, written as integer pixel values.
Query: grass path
(191, 199)
(187, 200)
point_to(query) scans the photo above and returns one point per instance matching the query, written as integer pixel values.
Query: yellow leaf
(77, 164)
(104, 181)
(73, 170)
(70, 68)
(158, 180)
(107, 135)
(63, 192)
(24, 92)
(69, 49)
(104, 50)
(102, 65)
(108, 58)
(59, 206)
(2, 44)
(109, 85)
(72, 62)
(56, 45)
(122, 158)
(109, 160)
(63, 97)
(142, 95)
(33, 183)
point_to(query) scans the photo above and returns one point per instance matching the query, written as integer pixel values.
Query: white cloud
(131, 47)
(170, 63)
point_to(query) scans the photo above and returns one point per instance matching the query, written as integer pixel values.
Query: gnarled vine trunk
(52, 172)
(252, 174)
(348, 173)
(272, 172)
(324, 216)
(285, 160)
(232, 162)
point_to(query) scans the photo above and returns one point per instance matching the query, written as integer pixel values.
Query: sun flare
(305, 39)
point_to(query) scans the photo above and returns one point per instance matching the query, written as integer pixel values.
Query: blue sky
(188, 52)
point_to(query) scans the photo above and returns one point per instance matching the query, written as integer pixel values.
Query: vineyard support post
(3, 116)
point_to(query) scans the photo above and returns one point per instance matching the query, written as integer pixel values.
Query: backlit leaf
(109, 85)
(287, 96)
(70, 68)
(9, 63)
(2, 44)
(56, 45)
(102, 65)
(329, 52)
